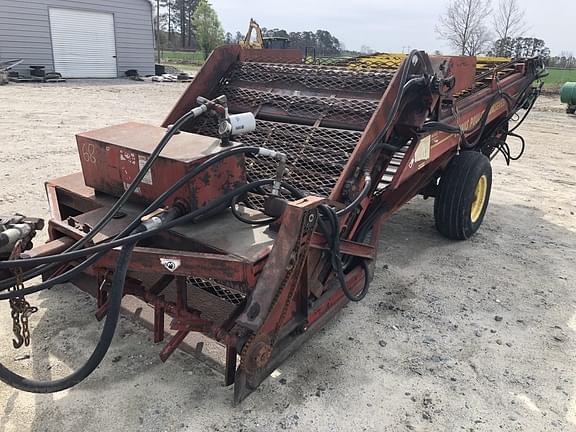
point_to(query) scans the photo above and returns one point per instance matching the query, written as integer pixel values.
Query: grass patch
(183, 57)
(557, 77)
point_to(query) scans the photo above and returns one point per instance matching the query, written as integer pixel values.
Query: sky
(388, 25)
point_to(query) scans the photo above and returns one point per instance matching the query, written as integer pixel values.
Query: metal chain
(456, 115)
(20, 310)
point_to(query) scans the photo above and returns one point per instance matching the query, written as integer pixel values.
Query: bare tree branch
(463, 26)
(509, 20)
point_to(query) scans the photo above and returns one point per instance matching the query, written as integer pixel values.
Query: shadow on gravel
(476, 334)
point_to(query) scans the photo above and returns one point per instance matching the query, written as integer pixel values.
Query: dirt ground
(473, 336)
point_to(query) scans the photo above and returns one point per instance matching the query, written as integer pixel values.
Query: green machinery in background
(568, 96)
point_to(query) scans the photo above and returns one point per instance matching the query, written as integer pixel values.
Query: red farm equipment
(256, 218)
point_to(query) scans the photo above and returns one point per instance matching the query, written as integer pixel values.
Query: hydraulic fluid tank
(568, 93)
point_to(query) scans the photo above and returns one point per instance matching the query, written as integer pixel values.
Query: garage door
(83, 43)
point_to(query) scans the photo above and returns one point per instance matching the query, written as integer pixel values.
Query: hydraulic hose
(68, 256)
(241, 218)
(116, 293)
(332, 233)
(122, 200)
(115, 300)
(528, 110)
(64, 277)
(363, 194)
(405, 85)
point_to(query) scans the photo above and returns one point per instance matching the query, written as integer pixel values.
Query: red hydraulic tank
(112, 157)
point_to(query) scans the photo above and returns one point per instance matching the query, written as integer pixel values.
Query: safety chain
(20, 311)
(456, 115)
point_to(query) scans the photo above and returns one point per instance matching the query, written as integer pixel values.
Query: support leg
(230, 373)
(159, 320)
(171, 346)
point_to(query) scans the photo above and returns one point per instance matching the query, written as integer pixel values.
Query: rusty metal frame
(290, 291)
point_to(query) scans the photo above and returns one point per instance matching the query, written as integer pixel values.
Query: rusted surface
(155, 261)
(271, 55)
(112, 158)
(53, 247)
(346, 247)
(206, 81)
(246, 383)
(263, 291)
(283, 262)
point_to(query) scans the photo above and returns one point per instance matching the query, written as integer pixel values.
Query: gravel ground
(473, 336)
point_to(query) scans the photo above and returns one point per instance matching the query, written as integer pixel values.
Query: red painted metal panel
(112, 157)
(283, 284)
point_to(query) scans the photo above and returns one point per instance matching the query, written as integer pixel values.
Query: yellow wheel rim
(479, 199)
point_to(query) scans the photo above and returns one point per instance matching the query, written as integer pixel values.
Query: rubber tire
(570, 110)
(453, 203)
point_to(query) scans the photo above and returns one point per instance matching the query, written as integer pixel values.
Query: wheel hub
(479, 199)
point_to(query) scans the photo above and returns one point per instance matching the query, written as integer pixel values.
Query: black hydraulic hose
(116, 293)
(363, 194)
(436, 126)
(68, 256)
(433, 126)
(241, 218)
(404, 85)
(481, 126)
(517, 104)
(333, 233)
(528, 110)
(390, 118)
(64, 277)
(267, 221)
(120, 202)
(115, 300)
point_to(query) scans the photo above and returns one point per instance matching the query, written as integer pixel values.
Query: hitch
(17, 228)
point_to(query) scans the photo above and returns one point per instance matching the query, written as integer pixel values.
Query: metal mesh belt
(381, 61)
(316, 155)
(315, 114)
(351, 113)
(333, 78)
(217, 289)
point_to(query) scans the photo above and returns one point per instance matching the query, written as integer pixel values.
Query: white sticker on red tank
(148, 177)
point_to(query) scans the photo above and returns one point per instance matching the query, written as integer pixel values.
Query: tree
(167, 20)
(322, 41)
(567, 60)
(326, 43)
(238, 37)
(509, 22)
(463, 26)
(504, 48)
(175, 22)
(209, 33)
(521, 47)
(365, 49)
